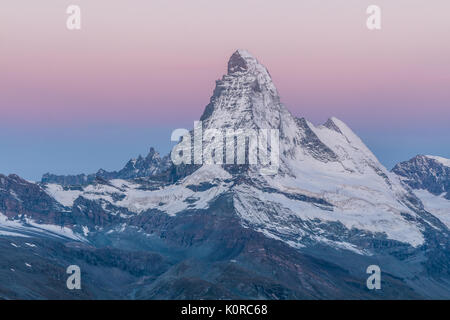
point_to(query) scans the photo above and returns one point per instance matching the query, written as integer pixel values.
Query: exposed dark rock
(422, 172)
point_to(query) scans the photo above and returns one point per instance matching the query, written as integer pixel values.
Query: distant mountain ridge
(152, 164)
(430, 173)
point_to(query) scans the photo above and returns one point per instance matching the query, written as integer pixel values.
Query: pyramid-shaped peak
(241, 61)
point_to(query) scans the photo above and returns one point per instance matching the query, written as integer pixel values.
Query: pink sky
(153, 61)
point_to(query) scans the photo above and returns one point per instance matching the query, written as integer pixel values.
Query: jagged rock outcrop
(426, 172)
(140, 167)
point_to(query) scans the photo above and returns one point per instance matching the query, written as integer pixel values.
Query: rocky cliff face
(21, 199)
(429, 173)
(429, 179)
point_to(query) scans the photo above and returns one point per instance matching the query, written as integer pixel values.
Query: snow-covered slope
(171, 199)
(437, 205)
(444, 161)
(29, 228)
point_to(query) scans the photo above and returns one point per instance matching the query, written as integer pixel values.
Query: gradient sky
(75, 101)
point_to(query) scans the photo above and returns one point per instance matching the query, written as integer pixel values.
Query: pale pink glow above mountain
(140, 61)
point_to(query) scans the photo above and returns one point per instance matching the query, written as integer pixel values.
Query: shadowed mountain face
(155, 230)
(426, 172)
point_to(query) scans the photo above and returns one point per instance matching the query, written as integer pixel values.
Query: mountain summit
(242, 62)
(429, 173)
(245, 97)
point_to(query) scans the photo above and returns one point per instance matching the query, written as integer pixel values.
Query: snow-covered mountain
(429, 177)
(327, 175)
(330, 209)
(431, 173)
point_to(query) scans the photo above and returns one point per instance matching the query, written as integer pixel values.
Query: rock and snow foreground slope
(330, 195)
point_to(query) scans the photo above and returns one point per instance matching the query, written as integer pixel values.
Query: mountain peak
(425, 172)
(244, 97)
(152, 154)
(241, 61)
